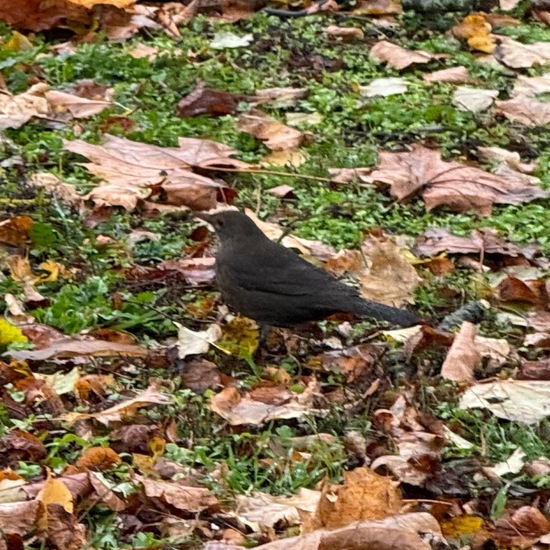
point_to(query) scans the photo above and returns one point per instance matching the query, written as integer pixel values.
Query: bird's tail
(382, 312)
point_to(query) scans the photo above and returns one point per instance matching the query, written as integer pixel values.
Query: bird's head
(230, 224)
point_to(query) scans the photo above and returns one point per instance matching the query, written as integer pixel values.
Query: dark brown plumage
(267, 282)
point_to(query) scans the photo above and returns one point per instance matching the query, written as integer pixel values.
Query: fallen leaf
(463, 356)
(346, 33)
(481, 241)
(195, 343)
(279, 98)
(303, 119)
(378, 7)
(238, 410)
(521, 528)
(143, 50)
(507, 5)
(15, 231)
(512, 465)
(190, 500)
(264, 510)
(440, 182)
(273, 133)
(453, 75)
(281, 191)
(415, 531)
(526, 110)
(19, 109)
(125, 409)
(228, 40)
(516, 55)
(19, 518)
(390, 278)
(79, 107)
(79, 348)
(384, 87)
(288, 157)
(517, 400)
(473, 100)
(400, 58)
(364, 495)
(56, 492)
(206, 101)
(132, 169)
(476, 30)
(55, 187)
(529, 86)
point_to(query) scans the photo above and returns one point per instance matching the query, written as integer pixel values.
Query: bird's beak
(205, 218)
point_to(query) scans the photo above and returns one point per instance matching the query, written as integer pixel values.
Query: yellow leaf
(10, 334)
(56, 492)
(17, 43)
(240, 337)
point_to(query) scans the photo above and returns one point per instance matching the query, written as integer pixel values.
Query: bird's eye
(219, 223)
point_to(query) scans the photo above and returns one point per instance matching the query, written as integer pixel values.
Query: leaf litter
(408, 445)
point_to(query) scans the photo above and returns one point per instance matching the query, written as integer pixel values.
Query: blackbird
(269, 283)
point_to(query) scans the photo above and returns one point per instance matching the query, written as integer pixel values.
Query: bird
(274, 286)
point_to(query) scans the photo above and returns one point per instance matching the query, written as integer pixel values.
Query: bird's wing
(281, 271)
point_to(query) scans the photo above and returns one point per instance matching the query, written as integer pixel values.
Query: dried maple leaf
(133, 169)
(458, 186)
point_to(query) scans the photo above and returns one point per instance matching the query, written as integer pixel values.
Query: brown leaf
(453, 75)
(358, 364)
(512, 289)
(346, 33)
(238, 410)
(273, 133)
(79, 107)
(535, 370)
(378, 7)
(125, 409)
(186, 499)
(524, 109)
(390, 278)
(516, 55)
(463, 356)
(21, 445)
(17, 110)
(404, 532)
(206, 101)
(480, 241)
(97, 459)
(521, 528)
(80, 348)
(456, 185)
(279, 97)
(200, 375)
(399, 58)
(63, 529)
(15, 230)
(19, 518)
(363, 495)
(52, 185)
(132, 169)
(36, 15)
(268, 510)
